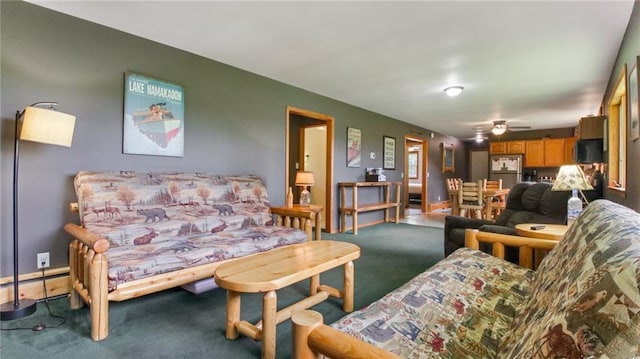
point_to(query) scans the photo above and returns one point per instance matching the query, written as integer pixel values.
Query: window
(412, 164)
(617, 135)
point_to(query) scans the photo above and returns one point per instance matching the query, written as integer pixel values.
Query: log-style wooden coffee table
(278, 268)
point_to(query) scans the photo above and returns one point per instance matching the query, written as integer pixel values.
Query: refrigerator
(506, 167)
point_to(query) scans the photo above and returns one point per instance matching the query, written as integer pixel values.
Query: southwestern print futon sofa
(141, 233)
(582, 302)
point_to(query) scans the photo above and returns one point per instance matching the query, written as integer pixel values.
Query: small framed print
(389, 153)
(354, 138)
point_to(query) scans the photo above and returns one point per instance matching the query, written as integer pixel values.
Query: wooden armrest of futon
(526, 245)
(88, 238)
(311, 337)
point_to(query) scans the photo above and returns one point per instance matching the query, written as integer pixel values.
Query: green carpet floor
(178, 324)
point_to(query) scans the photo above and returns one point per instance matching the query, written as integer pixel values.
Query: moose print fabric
(582, 302)
(162, 222)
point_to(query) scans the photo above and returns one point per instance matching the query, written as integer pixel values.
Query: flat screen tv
(589, 151)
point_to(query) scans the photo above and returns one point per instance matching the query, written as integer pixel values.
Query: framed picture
(634, 105)
(354, 144)
(153, 117)
(448, 159)
(389, 153)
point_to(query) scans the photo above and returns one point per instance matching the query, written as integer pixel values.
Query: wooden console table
(356, 207)
(269, 271)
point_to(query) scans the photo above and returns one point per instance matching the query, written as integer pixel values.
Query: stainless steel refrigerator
(506, 167)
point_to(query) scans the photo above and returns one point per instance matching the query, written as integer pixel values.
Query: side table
(550, 231)
(315, 209)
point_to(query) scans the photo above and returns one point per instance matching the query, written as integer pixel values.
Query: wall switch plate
(372, 155)
(43, 260)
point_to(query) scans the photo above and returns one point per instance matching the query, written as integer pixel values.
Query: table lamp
(304, 179)
(43, 126)
(572, 178)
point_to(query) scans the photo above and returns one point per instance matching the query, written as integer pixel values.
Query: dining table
(488, 196)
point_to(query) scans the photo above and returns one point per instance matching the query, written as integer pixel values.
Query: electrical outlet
(43, 260)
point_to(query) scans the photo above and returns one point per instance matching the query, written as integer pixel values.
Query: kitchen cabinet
(498, 148)
(570, 150)
(534, 153)
(515, 147)
(591, 127)
(506, 147)
(554, 152)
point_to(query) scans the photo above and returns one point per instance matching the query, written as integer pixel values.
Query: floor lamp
(44, 126)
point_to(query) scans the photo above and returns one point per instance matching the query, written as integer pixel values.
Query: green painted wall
(235, 121)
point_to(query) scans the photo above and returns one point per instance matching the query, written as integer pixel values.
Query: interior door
(313, 148)
(479, 165)
(296, 120)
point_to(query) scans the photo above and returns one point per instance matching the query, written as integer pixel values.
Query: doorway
(303, 153)
(416, 153)
(479, 166)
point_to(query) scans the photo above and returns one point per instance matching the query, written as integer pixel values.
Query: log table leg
(348, 287)
(269, 307)
(233, 314)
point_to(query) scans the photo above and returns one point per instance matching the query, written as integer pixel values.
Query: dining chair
(498, 203)
(470, 197)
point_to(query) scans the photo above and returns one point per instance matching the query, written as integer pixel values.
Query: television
(589, 151)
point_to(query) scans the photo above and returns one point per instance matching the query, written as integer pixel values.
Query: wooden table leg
(318, 229)
(314, 284)
(269, 307)
(233, 313)
(348, 286)
(488, 207)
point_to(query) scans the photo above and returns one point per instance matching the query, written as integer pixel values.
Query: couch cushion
(531, 196)
(586, 293)
(161, 222)
(554, 204)
(459, 308)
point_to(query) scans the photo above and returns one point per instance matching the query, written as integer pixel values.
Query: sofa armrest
(464, 222)
(473, 237)
(88, 238)
(312, 338)
(296, 218)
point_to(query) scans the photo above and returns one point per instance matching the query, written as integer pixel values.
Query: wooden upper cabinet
(534, 153)
(506, 148)
(515, 147)
(554, 152)
(498, 148)
(570, 150)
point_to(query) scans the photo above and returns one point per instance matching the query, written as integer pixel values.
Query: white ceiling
(542, 64)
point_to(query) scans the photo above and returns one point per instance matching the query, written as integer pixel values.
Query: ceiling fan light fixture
(499, 129)
(453, 90)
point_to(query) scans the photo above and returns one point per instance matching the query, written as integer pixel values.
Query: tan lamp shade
(304, 178)
(571, 177)
(47, 126)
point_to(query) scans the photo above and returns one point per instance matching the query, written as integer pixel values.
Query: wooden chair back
(498, 203)
(452, 183)
(491, 185)
(470, 197)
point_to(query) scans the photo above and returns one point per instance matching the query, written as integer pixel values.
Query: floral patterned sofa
(582, 302)
(145, 232)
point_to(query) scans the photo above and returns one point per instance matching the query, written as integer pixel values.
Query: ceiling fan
(500, 127)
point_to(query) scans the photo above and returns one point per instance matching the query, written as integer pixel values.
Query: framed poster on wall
(153, 117)
(354, 138)
(389, 153)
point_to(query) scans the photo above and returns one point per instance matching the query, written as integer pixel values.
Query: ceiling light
(499, 129)
(453, 90)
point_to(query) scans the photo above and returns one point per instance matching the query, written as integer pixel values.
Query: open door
(303, 127)
(415, 172)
